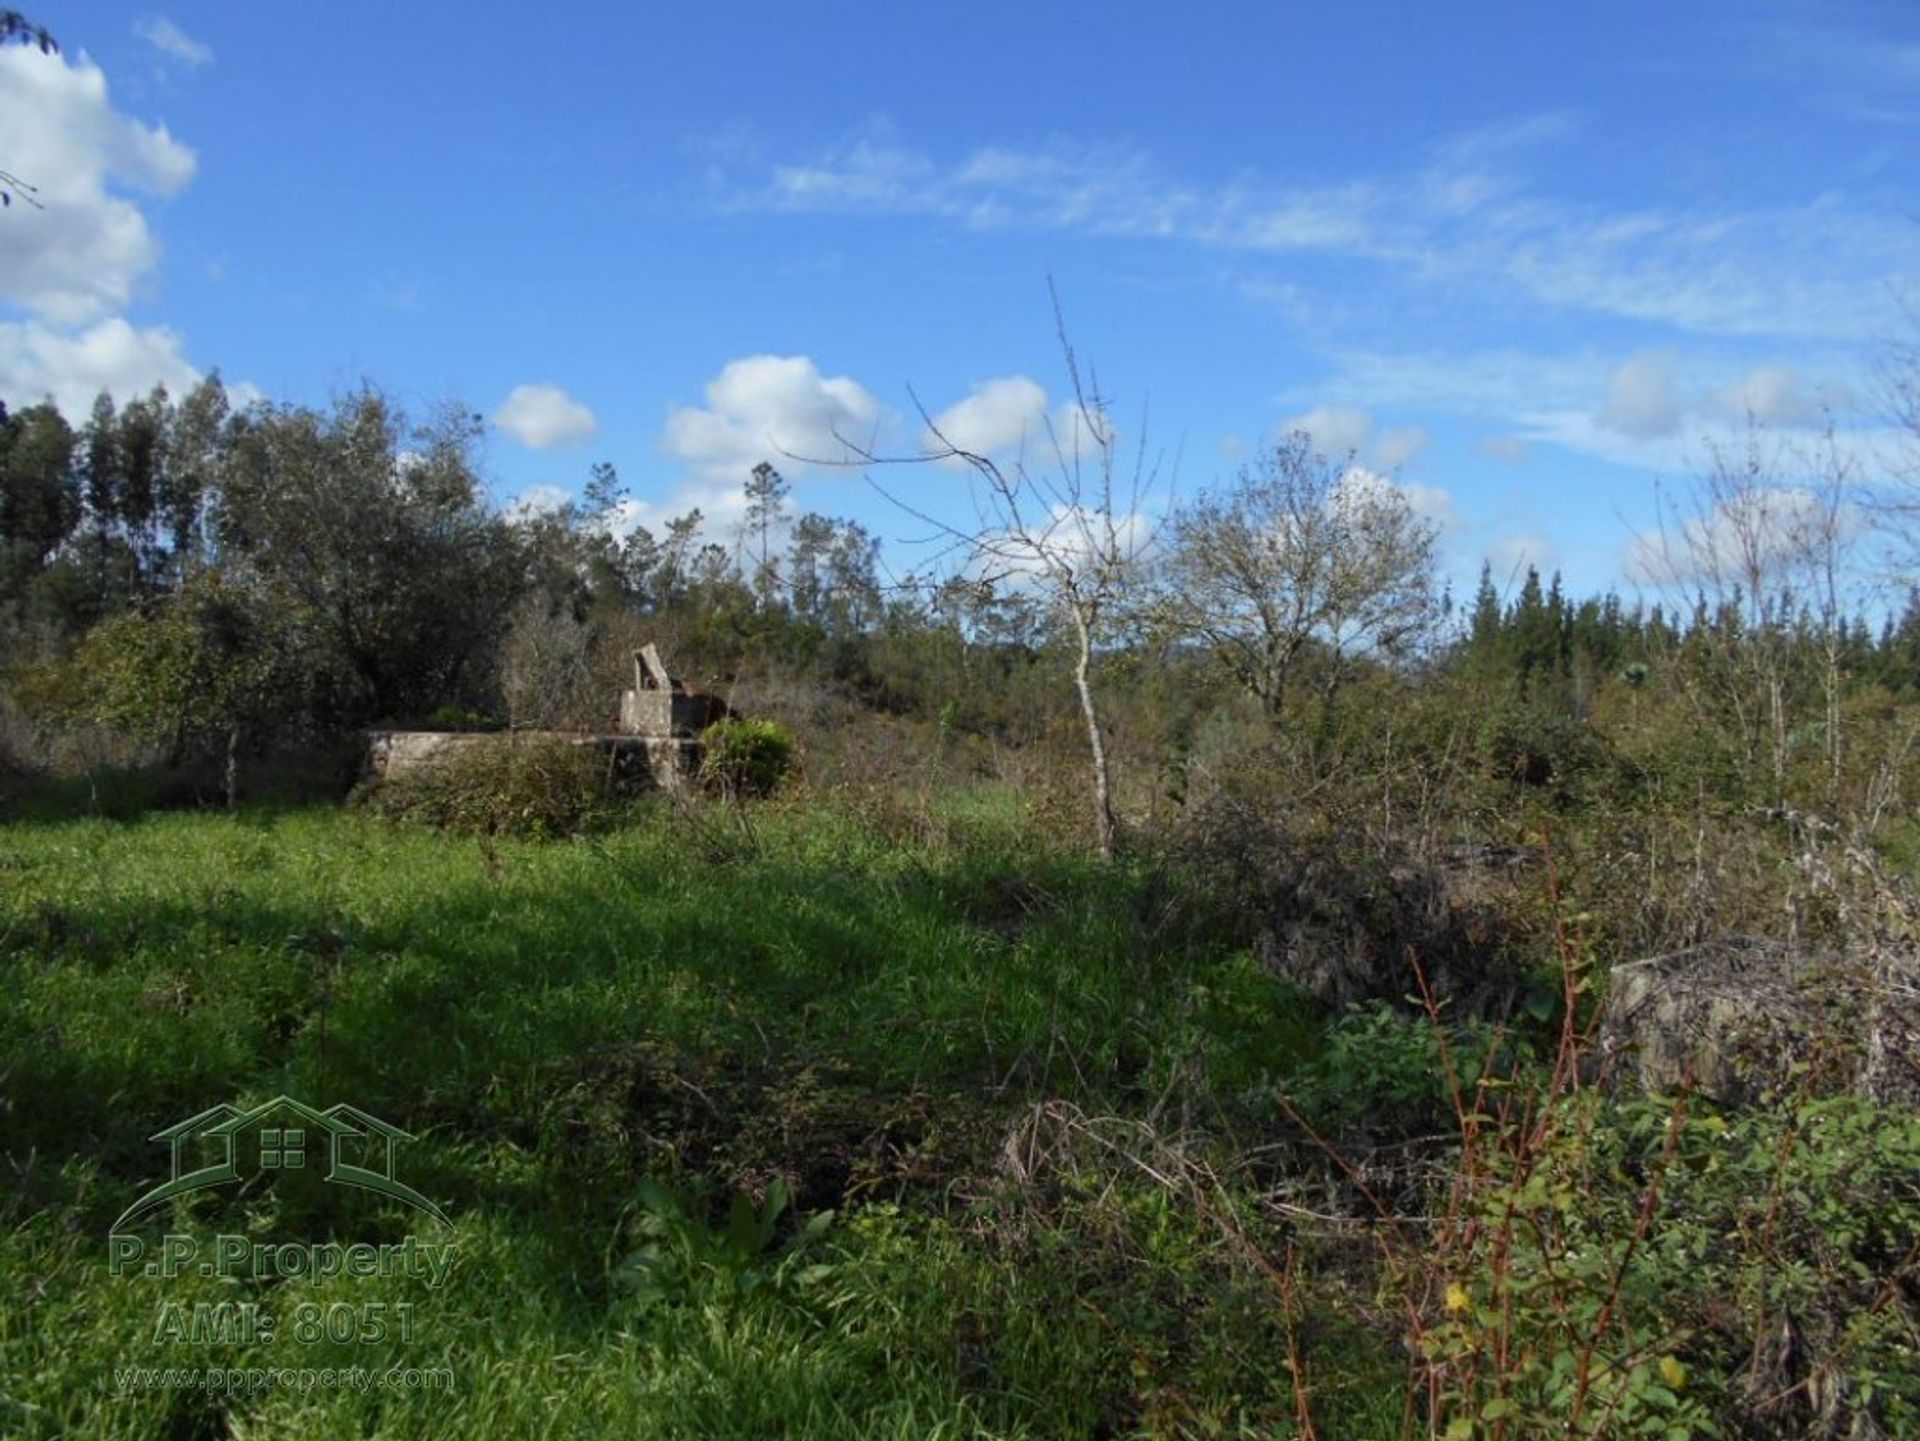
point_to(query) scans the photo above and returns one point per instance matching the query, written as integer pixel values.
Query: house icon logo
(224, 1144)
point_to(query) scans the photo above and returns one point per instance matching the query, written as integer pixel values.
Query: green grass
(707, 1009)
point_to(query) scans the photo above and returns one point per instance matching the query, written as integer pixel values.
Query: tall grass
(707, 1007)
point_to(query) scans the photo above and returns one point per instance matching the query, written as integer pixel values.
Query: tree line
(216, 580)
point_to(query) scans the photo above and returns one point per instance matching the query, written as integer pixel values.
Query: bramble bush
(1600, 1264)
(513, 786)
(746, 756)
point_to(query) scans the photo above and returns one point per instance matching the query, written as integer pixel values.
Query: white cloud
(84, 252)
(173, 42)
(1463, 219)
(1078, 435)
(1510, 555)
(1771, 395)
(776, 408)
(1009, 417)
(1361, 485)
(1761, 527)
(1342, 431)
(1641, 400)
(541, 416)
(1398, 445)
(1337, 431)
(1585, 433)
(1070, 537)
(1509, 449)
(1645, 420)
(1485, 383)
(537, 500)
(1431, 502)
(37, 361)
(1009, 413)
(721, 502)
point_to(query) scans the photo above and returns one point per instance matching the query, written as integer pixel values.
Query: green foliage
(511, 785)
(462, 718)
(680, 1259)
(746, 756)
(1646, 1268)
(1533, 747)
(862, 1018)
(1379, 1066)
(209, 668)
(375, 528)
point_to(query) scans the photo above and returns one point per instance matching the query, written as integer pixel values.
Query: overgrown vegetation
(531, 786)
(906, 1094)
(744, 756)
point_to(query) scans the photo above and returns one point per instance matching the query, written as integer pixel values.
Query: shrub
(1541, 750)
(746, 757)
(543, 789)
(461, 718)
(1381, 1069)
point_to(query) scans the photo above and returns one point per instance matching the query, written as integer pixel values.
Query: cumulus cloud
(173, 42)
(1512, 554)
(1398, 445)
(82, 254)
(1431, 502)
(541, 416)
(1070, 536)
(1760, 528)
(1771, 395)
(537, 500)
(997, 415)
(1641, 399)
(38, 361)
(1342, 431)
(1361, 485)
(773, 408)
(1337, 431)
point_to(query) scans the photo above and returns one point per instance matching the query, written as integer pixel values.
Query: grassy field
(620, 1056)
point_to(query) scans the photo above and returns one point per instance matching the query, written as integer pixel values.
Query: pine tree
(766, 494)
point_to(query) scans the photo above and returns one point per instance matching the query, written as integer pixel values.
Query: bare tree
(547, 676)
(1299, 556)
(1072, 528)
(1765, 539)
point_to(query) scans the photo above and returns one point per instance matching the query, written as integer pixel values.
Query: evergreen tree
(766, 495)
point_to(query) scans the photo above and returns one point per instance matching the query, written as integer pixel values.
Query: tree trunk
(233, 766)
(1096, 744)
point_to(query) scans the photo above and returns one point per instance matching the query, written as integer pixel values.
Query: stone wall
(640, 762)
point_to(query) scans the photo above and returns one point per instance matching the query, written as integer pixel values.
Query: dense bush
(1653, 1268)
(542, 789)
(746, 757)
(461, 718)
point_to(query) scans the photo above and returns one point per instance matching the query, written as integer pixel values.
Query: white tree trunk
(1096, 743)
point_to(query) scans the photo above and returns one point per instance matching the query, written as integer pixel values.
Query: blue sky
(1528, 262)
